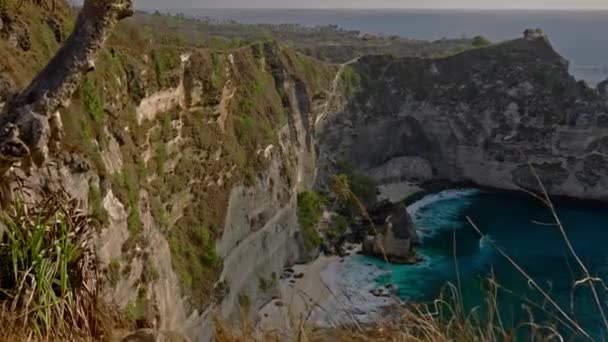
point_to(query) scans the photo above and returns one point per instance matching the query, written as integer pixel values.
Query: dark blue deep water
(512, 222)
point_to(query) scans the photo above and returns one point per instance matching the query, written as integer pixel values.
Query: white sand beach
(299, 298)
(329, 291)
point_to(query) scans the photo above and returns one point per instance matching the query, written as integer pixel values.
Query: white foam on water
(351, 283)
(445, 195)
(484, 242)
(352, 280)
(427, 225)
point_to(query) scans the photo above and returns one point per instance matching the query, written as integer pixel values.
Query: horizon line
(581, 9)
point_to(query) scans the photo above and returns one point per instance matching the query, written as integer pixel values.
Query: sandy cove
(326, 292)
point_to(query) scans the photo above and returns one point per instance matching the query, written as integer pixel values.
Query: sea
(514, 225)
(580, 36)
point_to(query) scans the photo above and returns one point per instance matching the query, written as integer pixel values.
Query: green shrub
(141, 310)
(310, 211)
(164, 60)
(96, 204)
(133, 220)
(160, 158)
(363, 187)
(195, 260)
(339, 225)
(91, 101)
(351, 80)
(480, 41)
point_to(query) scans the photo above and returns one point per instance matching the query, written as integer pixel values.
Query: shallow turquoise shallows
(521, 226)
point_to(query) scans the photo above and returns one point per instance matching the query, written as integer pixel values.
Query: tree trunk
(31, 119)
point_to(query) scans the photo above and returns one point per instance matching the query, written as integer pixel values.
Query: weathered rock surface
(475, 117)
(397, 240)
(148, 335)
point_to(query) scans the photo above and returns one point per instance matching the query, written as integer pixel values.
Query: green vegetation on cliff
(310, 211)
(329, 43)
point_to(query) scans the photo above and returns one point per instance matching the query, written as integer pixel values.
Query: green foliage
(219, 43)
(351, 80)
(315, 75)
(133, 220)
(149, 272)
(141, 309)
(362, 187)
(91, 101)
(195, 258)
(160, 157)
(96, 204)
(481, 41)
(126, 188)
(339, 226)
(164, 60)
(159, 212)
(166, 129)
(310, 211)
(47, 268)
(209, 254)
(236, 42)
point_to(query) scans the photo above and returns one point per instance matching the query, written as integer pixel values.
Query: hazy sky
(538, 4)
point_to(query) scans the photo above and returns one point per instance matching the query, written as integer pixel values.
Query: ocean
(519, 225)
(580, 36)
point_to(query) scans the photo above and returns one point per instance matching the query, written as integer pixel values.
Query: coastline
(331, 290)
(328, 292)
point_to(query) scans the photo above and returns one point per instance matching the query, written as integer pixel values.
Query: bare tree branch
(31, 120)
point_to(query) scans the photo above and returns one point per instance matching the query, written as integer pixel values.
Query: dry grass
(441, 321)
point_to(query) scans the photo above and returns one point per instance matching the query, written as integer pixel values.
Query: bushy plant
(310, 211)
(480, 41)
(48, 271)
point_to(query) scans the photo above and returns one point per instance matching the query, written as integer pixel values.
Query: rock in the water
(398, 240)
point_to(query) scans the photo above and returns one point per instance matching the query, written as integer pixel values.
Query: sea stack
(398, 240)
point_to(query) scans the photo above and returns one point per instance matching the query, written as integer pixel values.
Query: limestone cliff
(189, 159)
(474, 117)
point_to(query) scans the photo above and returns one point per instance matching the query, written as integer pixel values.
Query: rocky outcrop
(476, 117)
(397, 240)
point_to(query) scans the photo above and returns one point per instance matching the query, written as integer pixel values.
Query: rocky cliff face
(191, 161)
(475, 117)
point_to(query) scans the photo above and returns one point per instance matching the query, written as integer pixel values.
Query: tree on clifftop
(30, 122)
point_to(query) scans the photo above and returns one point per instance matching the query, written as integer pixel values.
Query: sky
(470, 4)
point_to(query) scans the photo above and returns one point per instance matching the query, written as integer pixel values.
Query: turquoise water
(511, 221)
